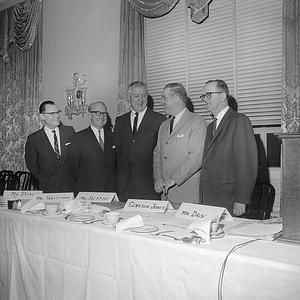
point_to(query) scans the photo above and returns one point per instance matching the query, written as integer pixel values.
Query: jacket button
(165, 157)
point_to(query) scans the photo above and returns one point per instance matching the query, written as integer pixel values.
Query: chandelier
(76, 96)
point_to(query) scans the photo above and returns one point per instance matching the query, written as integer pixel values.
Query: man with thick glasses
(229, 163)
(136, 136)
(46, 151)
(92, 154)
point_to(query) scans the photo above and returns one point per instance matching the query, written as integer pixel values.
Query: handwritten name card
(54, 197)
(20, 195)
(193, 211)
(146, 205)
(98, 197)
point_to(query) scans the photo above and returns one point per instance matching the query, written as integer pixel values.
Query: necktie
(171, 124)
(214, 129)
(101, 141)
(56, 149)
(135, 123)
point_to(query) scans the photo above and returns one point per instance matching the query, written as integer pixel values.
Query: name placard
(20, 195)
(95, 197)
(54, 197)
(146, 205)
(193, 212)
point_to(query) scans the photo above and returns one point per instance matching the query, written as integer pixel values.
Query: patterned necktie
(172, 124)
(56, 149)
(101, 141)
(135, 123)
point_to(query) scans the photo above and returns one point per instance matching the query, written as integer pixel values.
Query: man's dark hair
(42, 107)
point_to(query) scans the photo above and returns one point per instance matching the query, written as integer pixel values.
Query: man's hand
(158, 186)
(168, 184)
(239, 208)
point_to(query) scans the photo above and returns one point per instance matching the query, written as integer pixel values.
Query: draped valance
(158, 8)
(18, 25)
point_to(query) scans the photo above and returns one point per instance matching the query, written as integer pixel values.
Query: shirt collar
(141, 114)
(96, 130)
(221, 114)
(48, 130)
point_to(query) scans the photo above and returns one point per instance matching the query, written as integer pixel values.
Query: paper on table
(202, 228)
(34, 204)
(136, 221)
(260, 230)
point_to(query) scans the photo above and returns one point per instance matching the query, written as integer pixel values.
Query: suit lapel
(222, 124)
(46, 142)
(182, 122)
(144, 122)
(93, 138)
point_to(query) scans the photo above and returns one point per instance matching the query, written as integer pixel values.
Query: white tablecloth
(48, 257)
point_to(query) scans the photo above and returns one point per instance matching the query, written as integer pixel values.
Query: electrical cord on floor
(220, 283)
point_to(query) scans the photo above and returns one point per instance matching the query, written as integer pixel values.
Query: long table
(49, 257)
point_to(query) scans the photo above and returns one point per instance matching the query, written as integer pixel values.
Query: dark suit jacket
(135, 154)
(93, 170)
(229, 164)
(52, 174)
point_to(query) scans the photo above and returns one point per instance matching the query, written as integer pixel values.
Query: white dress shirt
(178, 116)
(50, 136)
(220, 115)
(96, 132)
(140, 118)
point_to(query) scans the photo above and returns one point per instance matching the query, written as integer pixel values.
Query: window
(240, 42)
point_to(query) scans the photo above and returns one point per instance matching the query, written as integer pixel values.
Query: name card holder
(191, 211)
(10, 195)
(156, 206)
(95, 197)
(54, 197)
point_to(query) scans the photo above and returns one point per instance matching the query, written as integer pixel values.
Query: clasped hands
(162, 186)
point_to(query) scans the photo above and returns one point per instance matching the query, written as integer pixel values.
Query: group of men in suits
(150, 156)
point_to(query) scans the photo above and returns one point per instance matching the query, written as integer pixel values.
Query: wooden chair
(262, 202)
(6, 181)
(24, 181)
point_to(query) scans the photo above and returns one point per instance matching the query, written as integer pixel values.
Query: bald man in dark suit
(46, 151)
(92, 154)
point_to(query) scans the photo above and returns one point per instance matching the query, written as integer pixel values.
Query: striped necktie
(56, 149)
(101, 141)
(172, 124)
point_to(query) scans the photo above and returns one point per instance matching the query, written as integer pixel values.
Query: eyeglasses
(52, 114)
(208, 95)
(99, 113)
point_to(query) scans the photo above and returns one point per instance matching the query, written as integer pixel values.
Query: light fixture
(76, 97)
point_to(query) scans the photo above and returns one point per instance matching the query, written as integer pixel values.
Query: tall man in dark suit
(135, 139)
(46, 151)
(178, 153)
(92, 154)
(229, 164)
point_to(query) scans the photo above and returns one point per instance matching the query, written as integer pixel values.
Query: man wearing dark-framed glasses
(92, 154)
(46, 151)
(229, 163)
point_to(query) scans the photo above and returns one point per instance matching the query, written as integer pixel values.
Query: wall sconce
(76, 97)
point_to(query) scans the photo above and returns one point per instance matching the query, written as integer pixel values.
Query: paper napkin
(34, 204)
(202, 228)
(136, 221)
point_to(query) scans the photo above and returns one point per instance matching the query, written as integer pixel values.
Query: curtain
(158, 8)
(131, 52)
(291, 67)
(20, 80)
